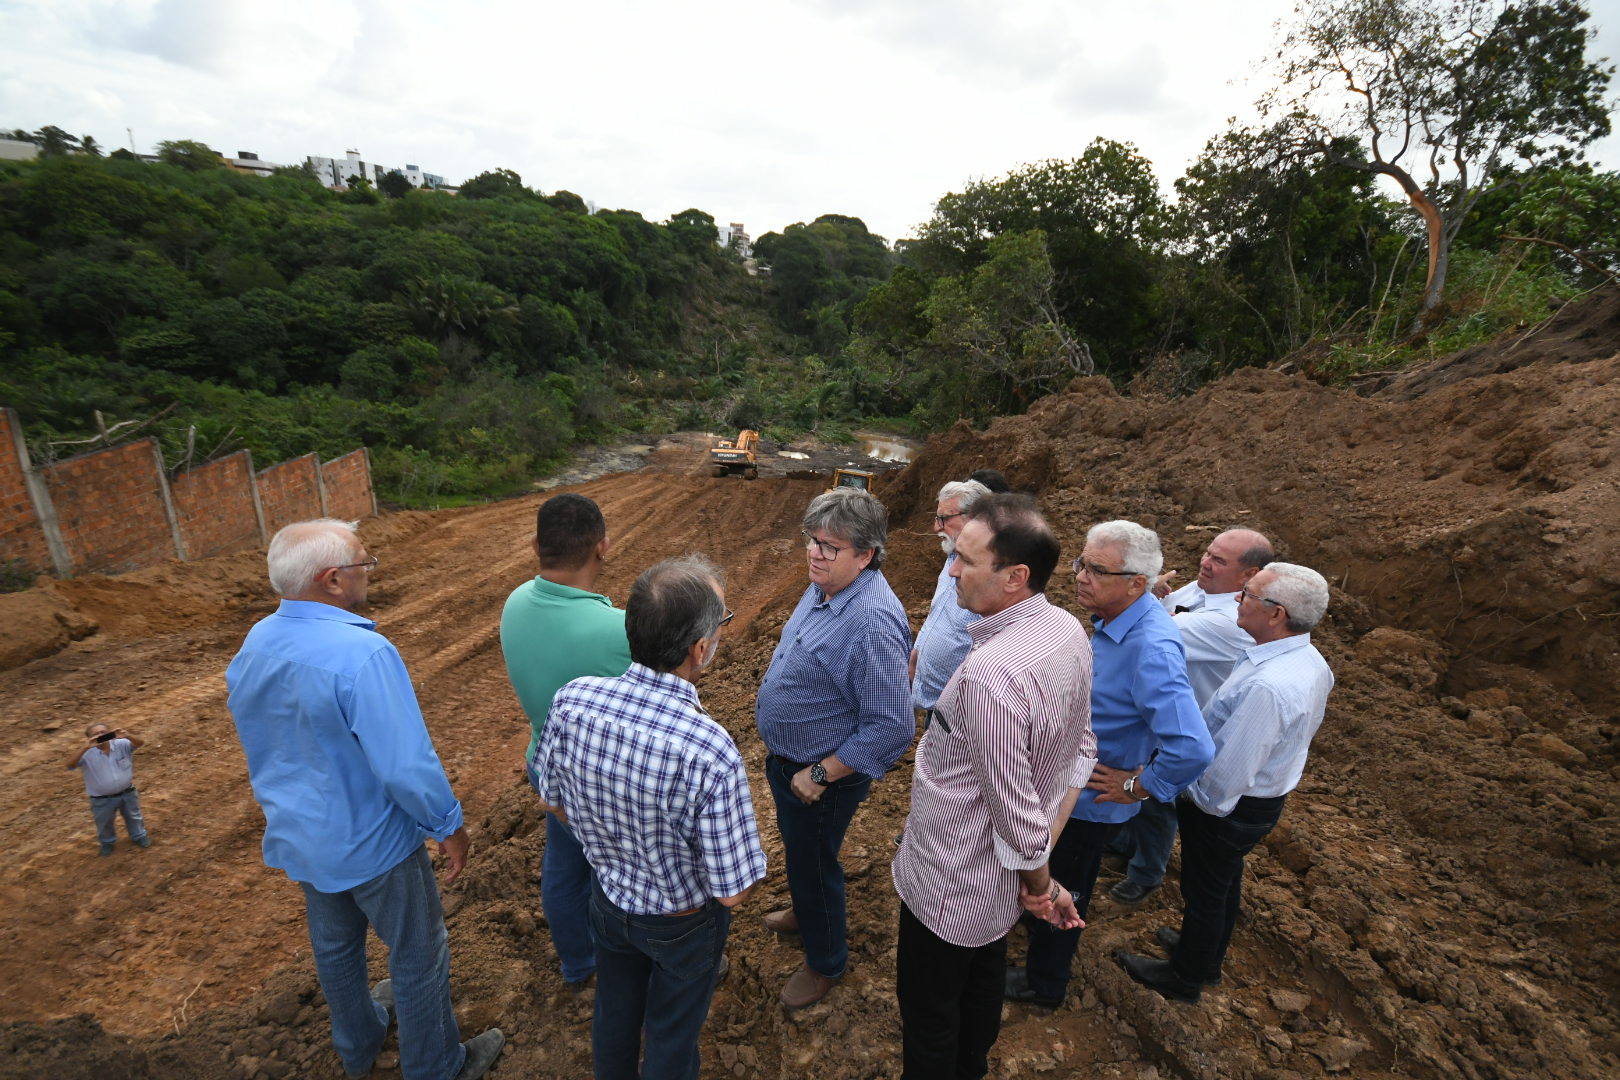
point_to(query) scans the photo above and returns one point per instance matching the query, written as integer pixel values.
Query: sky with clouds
(765, 112)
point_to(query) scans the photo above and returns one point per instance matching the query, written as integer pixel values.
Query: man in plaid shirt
(655, 790)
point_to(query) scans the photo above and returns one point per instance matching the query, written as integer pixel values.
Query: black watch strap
(818, 775)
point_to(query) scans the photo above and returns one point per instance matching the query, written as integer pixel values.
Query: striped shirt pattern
(943, 640)
(837, 681)
(1016, 724)
(1263, 719)
(653, 788)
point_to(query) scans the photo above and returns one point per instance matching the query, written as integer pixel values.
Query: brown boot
(782, 922)
(805, 988)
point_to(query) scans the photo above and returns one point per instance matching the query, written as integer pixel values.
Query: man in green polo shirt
(555, 629)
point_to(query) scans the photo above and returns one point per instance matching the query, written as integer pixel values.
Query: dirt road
(1438, 900)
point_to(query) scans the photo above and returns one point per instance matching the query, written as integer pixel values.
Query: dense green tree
(394, 185)
(1442, 96)
(189, 154)
(491, 185)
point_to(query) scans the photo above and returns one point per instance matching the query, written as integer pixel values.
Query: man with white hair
(1151, 738)
(1205, 612)
(350, 785)
(944, 639)
(1262, 720)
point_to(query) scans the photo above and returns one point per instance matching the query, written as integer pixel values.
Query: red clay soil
(1438, 901)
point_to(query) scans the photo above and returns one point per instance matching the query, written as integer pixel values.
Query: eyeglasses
(825, 550)
(1245, 594)
(940, 519)
(370, 565)
(727, 617)
(1080, 566)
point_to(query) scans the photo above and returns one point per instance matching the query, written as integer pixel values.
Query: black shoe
(1170, 939)
(1160, 976)
(482, 1050)
(1018, 989)
(1131, 893)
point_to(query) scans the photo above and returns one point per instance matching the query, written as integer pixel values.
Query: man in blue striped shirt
(656, 792)
(944, 639)
(834, 711)
(1262, 719)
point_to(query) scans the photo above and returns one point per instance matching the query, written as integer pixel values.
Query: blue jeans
(811, 838)
(655, 976)
(1147, 841)
(106, 808)
(402, 906)
(1212, 854)
(1076, 859)
(565, 898)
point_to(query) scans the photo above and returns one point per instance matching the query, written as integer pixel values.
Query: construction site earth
(1438, 901)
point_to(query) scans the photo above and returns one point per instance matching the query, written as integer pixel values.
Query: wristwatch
(1139, 794)
(818, 774)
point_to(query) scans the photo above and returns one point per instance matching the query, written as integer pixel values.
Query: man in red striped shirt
(1010, 736)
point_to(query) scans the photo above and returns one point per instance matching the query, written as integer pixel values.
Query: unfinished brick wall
(21, 537)
(348, 486)
(290, 492)
(112, 508)
(216, 507)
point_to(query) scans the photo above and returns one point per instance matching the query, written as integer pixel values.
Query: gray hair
(1302, 591)
(303, 549)
(967, 493)
(1138, 543)
(854, 514)
(672, 606)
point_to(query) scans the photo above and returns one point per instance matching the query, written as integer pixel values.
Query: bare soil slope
(1438, 901)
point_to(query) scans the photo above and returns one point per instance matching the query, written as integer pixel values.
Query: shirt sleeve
(727, 834)
(1211, 636)
(1165, 697)
(387, 723)
(543, 777)
(1254, 726)
(1021, 830)
(884, 719)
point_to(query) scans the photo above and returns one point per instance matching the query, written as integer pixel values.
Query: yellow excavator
(736, 456)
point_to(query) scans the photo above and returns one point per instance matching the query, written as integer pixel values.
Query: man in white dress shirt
(1262, 720)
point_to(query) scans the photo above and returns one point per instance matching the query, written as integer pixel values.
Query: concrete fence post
(168, 502)
(40, 496)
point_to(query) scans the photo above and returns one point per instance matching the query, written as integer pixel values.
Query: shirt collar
(666, 681)
(991, 625)
(841, 599)
(1120, 625)
(1259, 654)
(314, 609)
(567, 591)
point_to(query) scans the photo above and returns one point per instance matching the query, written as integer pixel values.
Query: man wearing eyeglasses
(1263, 719)
(657, 794)
(834, 712)
(944, 640)
(555, 628)
(1151, 738)
(1010, 734)
(350, 785)
(1205, 612)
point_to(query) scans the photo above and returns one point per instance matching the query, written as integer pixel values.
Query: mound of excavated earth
(1438, 901)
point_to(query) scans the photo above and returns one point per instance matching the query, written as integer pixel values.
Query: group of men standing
(1039, 743)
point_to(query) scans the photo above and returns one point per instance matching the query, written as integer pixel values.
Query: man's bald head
(1231, 559)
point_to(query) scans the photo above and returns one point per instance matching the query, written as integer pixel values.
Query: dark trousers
(655, 977)
(950, 1002)
(1212, 853)
(812, 835)
(1076, 858)
(1148, 840)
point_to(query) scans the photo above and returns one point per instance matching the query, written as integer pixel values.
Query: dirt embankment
(1438, 900)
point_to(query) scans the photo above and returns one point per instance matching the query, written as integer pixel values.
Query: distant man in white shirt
(943, 640)
(1262, 719)
(1205, 611)
(1011, 734)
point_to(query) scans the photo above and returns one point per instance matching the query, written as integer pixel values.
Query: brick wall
(348, 486)
(21, 537)
(111, 506)
(216, 508)
(290, 492)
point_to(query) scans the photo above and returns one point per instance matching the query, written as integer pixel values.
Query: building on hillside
(17, 150)
(734, 235)
(248, 162)
(335, 172)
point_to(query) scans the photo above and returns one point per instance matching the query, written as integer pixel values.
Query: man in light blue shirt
(341, 764)
(944, 639)
(1140, 701)
(1263, 719)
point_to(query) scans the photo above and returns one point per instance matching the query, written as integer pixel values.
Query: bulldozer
(855, 478)
(736, 456)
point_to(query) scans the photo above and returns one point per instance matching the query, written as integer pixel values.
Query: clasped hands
(1059, 910)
